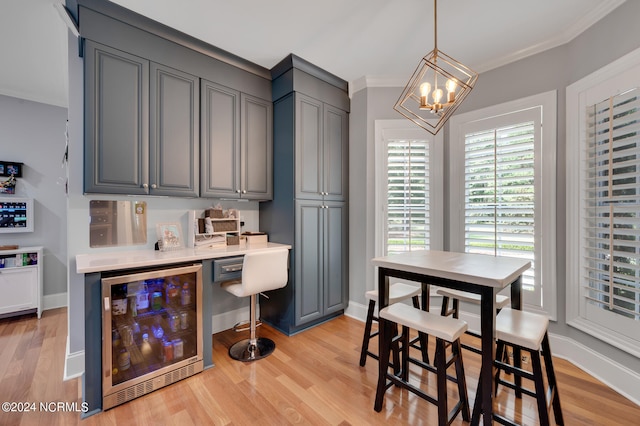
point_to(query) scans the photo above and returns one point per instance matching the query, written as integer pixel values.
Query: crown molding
(569, 33)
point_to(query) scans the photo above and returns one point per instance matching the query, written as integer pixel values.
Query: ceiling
(352, 39)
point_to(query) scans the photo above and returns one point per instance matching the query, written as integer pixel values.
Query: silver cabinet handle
(154, 186)
(238, 191)
(145, 186)
(244, 191)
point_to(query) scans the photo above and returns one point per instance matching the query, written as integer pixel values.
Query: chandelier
(423, 100)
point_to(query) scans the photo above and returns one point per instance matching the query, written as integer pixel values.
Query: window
(503, 189)
(603, 242)
(408, 188)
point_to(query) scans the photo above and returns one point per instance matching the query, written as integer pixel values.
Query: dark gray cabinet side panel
(336, 134)
(335, 249)
(220, 144)
(309, 147)
(257, 148)
(308, 283)
(174, 132)
(116, 121)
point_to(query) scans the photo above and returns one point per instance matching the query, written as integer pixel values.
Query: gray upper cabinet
(141, 129)
(220, 141)
(256, 152)
(321, 157)
(116, 121)
(174, 133)
(237, 144)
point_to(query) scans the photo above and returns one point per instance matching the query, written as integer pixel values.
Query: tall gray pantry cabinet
(309, 207)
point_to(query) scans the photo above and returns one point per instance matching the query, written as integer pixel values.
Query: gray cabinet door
(334, 250)
(335, 155)
(321, 274)
(309, 272)
(116, 121)
(220, 143)
(309, 147)
(174, 132)
(257, 148)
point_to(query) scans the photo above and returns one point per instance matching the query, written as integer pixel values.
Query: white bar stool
(526, 331)
(447, 331)
(261, 271)
(397, 293)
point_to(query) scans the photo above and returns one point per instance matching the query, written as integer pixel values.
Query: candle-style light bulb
(451, 90)
(425, 88)
(437, 96)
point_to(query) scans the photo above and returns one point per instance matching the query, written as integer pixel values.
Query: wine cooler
(152, 331)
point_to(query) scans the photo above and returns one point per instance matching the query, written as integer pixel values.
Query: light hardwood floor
(312, 378)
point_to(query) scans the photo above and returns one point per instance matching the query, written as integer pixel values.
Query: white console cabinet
(21, 281)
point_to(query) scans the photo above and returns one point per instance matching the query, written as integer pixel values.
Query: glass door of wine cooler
(152, 331)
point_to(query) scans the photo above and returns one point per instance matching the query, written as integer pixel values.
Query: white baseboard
(53, 301)
(618, 377)
(74, 364)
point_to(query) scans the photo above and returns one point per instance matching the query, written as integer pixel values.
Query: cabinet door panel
(309, 150)
(335, 247)
(174, 137)
(117, 117)
(308, 258)
(335, 153)
(220, 144)
(257, 148)
(20, 289)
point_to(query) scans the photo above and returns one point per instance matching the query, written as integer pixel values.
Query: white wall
(33, 133)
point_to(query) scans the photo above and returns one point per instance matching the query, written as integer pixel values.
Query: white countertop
(110, 261)
(493, 271)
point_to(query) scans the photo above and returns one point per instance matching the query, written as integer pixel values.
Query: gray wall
(609, 39)
(33, 133)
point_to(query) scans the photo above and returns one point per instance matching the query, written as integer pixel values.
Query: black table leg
(516, 303)
(383, 337)
(487, 331)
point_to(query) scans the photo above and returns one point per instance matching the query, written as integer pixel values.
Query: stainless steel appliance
(152, 331)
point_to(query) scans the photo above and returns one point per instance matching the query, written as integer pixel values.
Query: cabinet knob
(145, 186)
(244, 191)
(154, 186)
(238, 191)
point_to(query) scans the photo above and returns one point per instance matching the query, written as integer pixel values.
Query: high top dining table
(475, 273)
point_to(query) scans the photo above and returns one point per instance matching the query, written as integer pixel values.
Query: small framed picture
(169, 236)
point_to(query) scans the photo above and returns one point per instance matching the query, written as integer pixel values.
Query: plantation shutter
(499, 194)
(612, 215)
(407, 226)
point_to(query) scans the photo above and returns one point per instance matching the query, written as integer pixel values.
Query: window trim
(386, 129)
(610, 80)
(547, 263)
